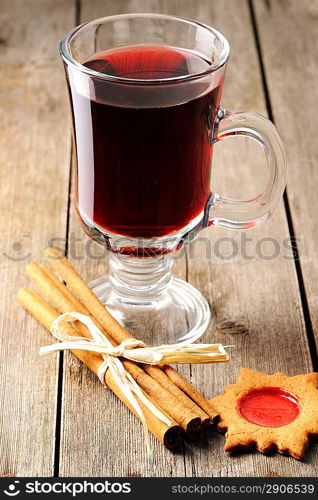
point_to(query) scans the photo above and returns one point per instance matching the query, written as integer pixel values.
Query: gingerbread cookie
(269, 411)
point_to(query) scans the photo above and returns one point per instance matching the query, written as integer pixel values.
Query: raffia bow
(134, 350)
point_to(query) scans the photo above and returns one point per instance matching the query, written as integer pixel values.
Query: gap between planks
(59, 396)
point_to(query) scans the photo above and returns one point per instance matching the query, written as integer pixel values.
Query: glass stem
(140, 280)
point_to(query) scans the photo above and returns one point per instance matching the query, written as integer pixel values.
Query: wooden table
(56, 418)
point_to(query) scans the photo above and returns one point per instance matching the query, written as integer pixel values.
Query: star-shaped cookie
(269, 412)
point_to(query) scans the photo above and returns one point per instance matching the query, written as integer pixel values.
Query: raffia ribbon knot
(120, 350)
(132, 349)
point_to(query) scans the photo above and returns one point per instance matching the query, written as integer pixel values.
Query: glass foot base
(181, 314)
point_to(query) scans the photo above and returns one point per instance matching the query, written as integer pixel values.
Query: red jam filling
(268, 407)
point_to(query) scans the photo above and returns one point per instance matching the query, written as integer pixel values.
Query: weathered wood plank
(289, 36)
(34, 156)
(100, 437)
(257, 299)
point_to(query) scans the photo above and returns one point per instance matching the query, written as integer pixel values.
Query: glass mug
(145, 92)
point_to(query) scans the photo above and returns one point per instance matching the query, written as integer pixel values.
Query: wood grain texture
(255, 300)
(34, 156)
(100, 436)
(289, 37)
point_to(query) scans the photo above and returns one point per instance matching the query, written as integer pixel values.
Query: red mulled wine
(144, 149)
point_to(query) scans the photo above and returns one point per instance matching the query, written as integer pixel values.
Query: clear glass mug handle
(237, 214)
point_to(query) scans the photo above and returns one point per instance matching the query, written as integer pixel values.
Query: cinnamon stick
(180, 388)
(161, 377)
(61, 286)
(190, 396)
(78, 286)
(58, 294)
(170, 436)
(184, 415)
(188, 388)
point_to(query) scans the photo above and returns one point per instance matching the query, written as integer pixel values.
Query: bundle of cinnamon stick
(173, 395)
